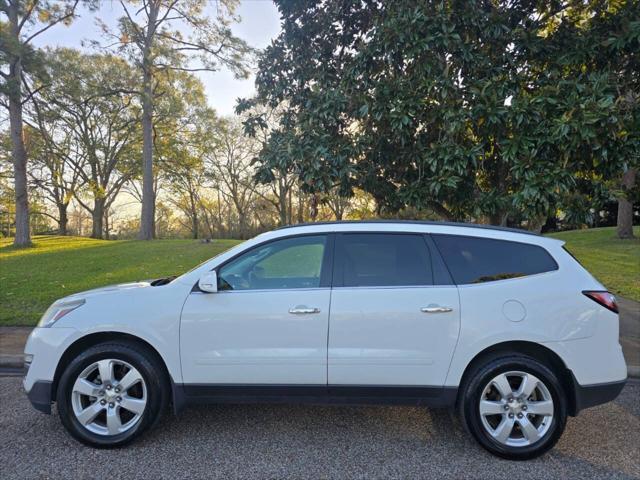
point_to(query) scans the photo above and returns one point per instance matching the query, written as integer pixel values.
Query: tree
(619, 36)
(624, 227)
(338, 204)
(183, 129)
(152, 38)
(7, 195)
(185, 173)
(56, 162)
(276, 168)
(228, 162)
(95, 95)
(472, 110)
(26, 19)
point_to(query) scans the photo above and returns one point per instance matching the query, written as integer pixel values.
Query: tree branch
(70, 14)
(27, 15)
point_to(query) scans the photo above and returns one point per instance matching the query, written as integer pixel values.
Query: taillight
(606, 299)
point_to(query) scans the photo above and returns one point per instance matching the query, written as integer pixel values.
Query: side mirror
(209, 282)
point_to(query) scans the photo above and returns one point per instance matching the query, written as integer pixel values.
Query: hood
(109, 289)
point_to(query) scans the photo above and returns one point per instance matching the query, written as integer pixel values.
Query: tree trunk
(219, 215)
(535, 224)
(18, 151)
(63, 218)
(147, 215)
(148, 195)
(195, 224)
(106, 225)
(19, 155)
(195, 221)
(300, 207)
(313, 207)
(499, 218)
(624, 224)
(282, 206)
(98, 217)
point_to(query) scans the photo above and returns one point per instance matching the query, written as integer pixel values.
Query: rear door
(395, 313)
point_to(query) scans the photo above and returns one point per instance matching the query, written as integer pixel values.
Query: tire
(513, 412)
(112, 415)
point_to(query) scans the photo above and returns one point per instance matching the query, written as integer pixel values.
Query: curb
(11, 361)
(11, 365)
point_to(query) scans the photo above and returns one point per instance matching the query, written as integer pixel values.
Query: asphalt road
(267, 441)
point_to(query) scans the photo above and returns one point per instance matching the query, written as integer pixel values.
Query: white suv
(502, 324)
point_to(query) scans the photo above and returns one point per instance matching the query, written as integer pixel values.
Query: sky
(259, 24)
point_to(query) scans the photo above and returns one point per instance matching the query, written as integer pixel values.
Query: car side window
(478, 260)
(281, 264)
(379, 260)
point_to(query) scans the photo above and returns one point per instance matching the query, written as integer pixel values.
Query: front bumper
(40, 396)
(44, 347)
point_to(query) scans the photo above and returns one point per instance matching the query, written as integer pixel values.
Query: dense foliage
(470, 109)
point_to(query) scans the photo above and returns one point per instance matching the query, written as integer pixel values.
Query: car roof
(412, 222)
(412, 226)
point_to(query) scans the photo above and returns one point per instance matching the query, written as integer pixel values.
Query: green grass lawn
(614, 262)
(32, 278)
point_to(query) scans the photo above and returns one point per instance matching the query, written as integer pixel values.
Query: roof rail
(416, 222)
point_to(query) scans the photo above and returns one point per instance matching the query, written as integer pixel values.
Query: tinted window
(477, 260)
(368, 260)
(288, 263)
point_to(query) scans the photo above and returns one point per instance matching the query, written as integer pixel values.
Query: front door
(268, 322)
(391, 323)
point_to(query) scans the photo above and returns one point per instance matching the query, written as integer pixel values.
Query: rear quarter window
(478, 260)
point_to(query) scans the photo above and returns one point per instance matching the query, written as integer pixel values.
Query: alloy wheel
(109, 397)
(516, 409)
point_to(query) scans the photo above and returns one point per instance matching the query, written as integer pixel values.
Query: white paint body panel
(149, 313)
(250, 338)
(380, 336)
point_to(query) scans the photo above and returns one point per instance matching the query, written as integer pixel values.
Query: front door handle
(302, 310)
(436, 309)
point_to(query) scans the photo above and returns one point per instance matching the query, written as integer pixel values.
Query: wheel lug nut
(117, 389)
(511, 415)
(520, 415)
(506, 407)
(108, 387)
(119, 399)
(111, 405)
(524, 407)
(103, 402)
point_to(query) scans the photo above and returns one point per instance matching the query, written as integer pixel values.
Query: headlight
(58, 310)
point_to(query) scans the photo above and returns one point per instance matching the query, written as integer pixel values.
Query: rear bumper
(591, 395)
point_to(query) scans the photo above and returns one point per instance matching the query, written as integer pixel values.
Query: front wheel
(514, 406)
(110, 394)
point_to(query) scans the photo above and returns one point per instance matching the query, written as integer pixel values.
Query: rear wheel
(514, 406)
(111, 394)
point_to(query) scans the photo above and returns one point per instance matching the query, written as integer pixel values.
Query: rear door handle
(302, 310)
(436, 309)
